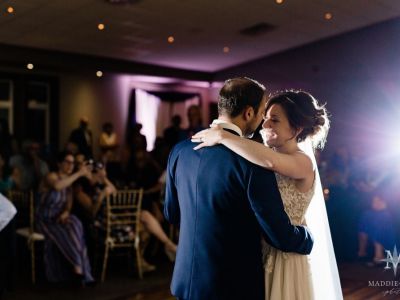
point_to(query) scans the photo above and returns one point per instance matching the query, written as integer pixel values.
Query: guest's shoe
(146, 267)
(170, 250)
(170, 254)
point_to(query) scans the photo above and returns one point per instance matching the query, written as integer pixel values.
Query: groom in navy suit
(223, 204)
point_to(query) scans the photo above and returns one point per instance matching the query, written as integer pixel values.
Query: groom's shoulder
(181, 147)
(224, 154)
(186, 144)
(184, 151)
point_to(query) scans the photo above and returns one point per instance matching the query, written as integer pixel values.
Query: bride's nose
(266, 124)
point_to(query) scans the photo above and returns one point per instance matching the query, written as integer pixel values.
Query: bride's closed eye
(273, 120)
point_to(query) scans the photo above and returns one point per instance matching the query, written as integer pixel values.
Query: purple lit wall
(100, 99)
(107, 99)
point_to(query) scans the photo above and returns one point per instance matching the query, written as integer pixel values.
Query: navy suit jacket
(223, 204)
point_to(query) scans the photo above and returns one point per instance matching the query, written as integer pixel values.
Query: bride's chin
(269, 144)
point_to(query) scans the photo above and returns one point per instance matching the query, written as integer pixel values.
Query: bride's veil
(324, 271)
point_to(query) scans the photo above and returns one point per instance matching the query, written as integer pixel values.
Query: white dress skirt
(288, 275)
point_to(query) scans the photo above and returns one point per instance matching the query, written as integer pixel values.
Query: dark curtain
(131, 115)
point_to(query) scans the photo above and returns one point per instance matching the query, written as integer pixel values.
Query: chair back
(122, 215)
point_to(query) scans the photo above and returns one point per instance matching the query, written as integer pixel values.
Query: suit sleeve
(266, 202)
(171, 206)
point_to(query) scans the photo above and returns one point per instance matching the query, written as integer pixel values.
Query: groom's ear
(248, 113)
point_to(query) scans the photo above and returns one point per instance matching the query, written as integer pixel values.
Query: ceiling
(201, 28)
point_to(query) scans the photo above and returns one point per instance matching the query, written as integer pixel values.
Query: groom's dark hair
(239, 93)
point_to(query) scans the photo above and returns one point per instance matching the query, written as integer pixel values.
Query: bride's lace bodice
(295, 204)
(294, 201)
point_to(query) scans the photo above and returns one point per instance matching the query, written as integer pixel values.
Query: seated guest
(89, 202)
(65, 248)
(120, 172)
(30, 165)
(146, 174)
(89, 193)
(376, 225)
(8, 181)
(95, 187)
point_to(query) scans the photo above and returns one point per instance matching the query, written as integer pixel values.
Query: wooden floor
(355, 278)
(123, 284)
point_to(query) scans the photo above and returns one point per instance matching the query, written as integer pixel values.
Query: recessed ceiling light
(226, 49)
(101, 26)
(328, 16)
(171, 39)
(29, 66)
(279, 1)
(10, 9)
(99, 74)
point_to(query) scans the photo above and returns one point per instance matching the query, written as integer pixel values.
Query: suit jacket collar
(229, 126)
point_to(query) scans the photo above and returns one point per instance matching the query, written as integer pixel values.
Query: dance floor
(122, 284)
(356, 280)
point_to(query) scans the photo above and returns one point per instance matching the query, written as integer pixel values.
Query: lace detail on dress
(269, 256)
(295, 202)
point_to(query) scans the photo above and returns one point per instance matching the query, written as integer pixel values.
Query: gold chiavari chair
(123, 210)
(24, 202)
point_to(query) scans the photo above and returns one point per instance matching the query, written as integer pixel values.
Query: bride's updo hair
(303, 111)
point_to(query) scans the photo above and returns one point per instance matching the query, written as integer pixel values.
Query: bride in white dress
(294, 125)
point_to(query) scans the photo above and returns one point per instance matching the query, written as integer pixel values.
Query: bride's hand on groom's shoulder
(208, 137)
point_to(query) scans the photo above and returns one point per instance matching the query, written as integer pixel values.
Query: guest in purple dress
(65, 248)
